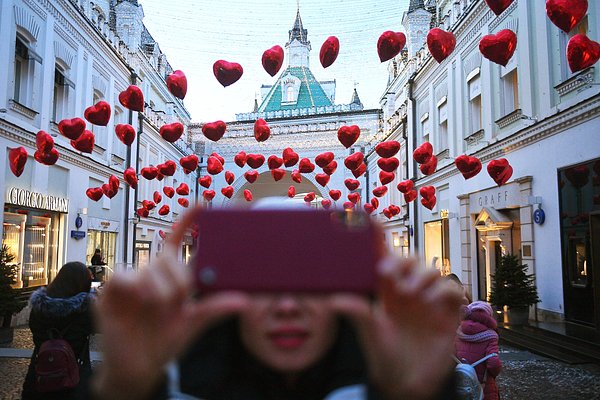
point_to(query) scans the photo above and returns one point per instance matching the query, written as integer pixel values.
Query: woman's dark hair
(72, 278)
(97, 251)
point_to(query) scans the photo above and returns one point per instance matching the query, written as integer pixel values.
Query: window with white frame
(475, 110)
(25, 59)
(60, 100)
(583, 28)
(442, 138)
(118, 148)
(425, 127)
(100, 137)
(509, 86)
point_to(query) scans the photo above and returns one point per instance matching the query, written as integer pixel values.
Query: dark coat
(57, 313)
(97, 260)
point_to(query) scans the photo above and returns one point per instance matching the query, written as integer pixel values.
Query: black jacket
(57, 313)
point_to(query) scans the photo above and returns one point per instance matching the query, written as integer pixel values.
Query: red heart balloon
(380, 191)
(114, 182)
(208, 195)
(48, 158)
(183, 189)
(85, 143)
(98, 114)
(386, 177)
(390, 44)
(125, 133)
(500, 171)
(322, 179)
(324, 159)
(168, 168)
(499, 48)
(427, 192)
(142, 212)
(278, 174)
(274, 162)
(240, 159)
(430, 167)
(189, 163)
(227, 191)
(148, 205)
(213, 165)
(177, 84)
(290, 157)
(348, 206)
(132, 98)
(368, 208)
(306, 167)
(582, 52)
(205, 181)
(394, 209)
(215, 154)
(162, 234)
(354, 160)
(352, 184)
(164, 210)
(498, 6)
(44, 142)
(272, 59)
(171, 132)
(335, 194)
(329, 51)
(348, 135)
(247, 195)
(330, 168)
(261, 130)
(109, 191)
(310, 196)
(131, 178)
(169, 191)
(296, 176)
(429, 203)
(388, 164)
(468, 166)
(387, 149)
(423, 153)
(410, 196)
(440, 43)
(326, 204)
(229, 177)
(251, 176)
(387, 213)
(354, 197)
(157, 197)
(71, 128)
(159, 176)
(291, 192)
(566, 14)
(94, 194)
(214, 130)
(227, 73)
(360, 170)
(406, 186)
(149, 172)
(255, 160)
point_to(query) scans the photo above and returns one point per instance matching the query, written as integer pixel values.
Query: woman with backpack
(477, 338)
(61, 323)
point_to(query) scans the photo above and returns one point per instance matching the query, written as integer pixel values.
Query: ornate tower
(128, 22)
(417, 22)
(298, 45)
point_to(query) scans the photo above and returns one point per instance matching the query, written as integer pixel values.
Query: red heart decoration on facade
(390, 44)
(335, 194)
(386, 177)
(427, 192)
(208, 195)
(255, 160)
(387, 149)
(98, 114)
(274, 162)
(157, 197)
(94, 194)
(168, 168)
(142, 212)
(149, 172)
(499, 48)
(296, 176)
(566, 14)
(240, 159)
(44, 142)
(85, 143)
(394, 209)
(205, 181)
(132, 98)
(500, 171)
(109, 191)
(423, 153)
(48, 158)
(498, 6)
(354, 160)
(277, 174)
(227, 191)
(324, 159)
(352, 184)
(183, 189)
(247, 195)
(272, 59)
(214, 165)
(306, 167)
(114, 182)
(406, 186)
(582, 52)
(177, 84)
(290, 157)
(310, 196)
(251, 176)
(164, 210)
(368, 208)
(171, 132)
(227, 73)
(329, 51)
(410, 196)
(468, 166)
(388, 164)
(330, 168)
(71, 128)
(440, 43)
(291, 192)
(229, 177)
(214, 130)
(215, 154)
(131, 178)
(261, 130)
(322, 179)
(387, 213)
(169, 191)
(380, 191)
(430, 167)
(429, 203)
(375, 203)
(189, 163)
(125, 133)
(362, 168)
(348, 135)
(326, 204)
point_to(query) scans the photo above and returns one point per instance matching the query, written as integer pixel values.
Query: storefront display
(437, 245)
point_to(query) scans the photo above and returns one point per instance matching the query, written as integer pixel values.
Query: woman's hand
(408, 333)
(148, 318)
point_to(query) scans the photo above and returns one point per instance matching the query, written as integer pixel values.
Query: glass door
(13, 236)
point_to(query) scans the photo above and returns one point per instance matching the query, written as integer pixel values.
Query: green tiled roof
(311, 93)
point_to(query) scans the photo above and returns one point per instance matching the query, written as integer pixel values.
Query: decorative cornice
(502, 17)
(578, 81)
(510, 118)
(21, 109)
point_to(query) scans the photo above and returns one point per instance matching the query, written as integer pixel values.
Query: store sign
(507, 196)
(99, 224)
(26, 198)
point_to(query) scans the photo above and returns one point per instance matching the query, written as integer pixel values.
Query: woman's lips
(288, 338)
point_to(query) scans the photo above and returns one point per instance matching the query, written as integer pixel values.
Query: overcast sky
(195, 33)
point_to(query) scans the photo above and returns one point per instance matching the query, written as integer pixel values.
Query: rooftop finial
(298, 32)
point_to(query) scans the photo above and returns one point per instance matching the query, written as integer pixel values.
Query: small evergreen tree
(9, 303)
(512, 286)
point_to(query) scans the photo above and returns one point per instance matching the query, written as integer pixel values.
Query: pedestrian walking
(98, 264)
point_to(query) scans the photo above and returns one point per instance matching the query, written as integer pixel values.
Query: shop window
(510, 92)
(142, 253)
(437, 245)
(106, 242)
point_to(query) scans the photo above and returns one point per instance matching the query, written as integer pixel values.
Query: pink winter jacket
(472, 348)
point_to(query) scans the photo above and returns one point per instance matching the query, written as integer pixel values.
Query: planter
(518, 316)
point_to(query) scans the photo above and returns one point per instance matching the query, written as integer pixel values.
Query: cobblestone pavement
(525, 375)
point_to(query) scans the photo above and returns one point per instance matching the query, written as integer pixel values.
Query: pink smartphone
(285, 250)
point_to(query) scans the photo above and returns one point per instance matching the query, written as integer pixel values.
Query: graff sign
(25, 198)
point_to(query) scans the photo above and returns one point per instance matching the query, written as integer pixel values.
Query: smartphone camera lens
(208, 276)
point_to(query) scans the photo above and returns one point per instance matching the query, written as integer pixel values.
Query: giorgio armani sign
(25, 198)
